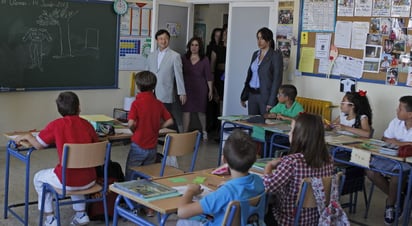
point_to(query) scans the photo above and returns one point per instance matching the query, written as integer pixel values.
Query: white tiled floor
(207, 158)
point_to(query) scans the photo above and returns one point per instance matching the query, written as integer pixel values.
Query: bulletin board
(381, 74)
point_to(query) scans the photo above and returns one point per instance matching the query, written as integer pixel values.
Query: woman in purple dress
(198, 83)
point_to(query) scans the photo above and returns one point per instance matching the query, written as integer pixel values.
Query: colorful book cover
(147, 190)
(261, 163)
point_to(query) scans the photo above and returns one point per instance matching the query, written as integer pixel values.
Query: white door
(177, 18)
(245, 18)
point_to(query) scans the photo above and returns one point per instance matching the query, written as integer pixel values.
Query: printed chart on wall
(135, 32)
(373, 39)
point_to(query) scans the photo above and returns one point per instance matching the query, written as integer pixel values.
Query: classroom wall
(30, 110)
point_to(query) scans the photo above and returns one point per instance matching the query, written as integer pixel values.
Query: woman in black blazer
(264, 75)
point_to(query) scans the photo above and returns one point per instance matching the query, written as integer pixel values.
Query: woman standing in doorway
(264, 75)
(218, 63)
(198, 83)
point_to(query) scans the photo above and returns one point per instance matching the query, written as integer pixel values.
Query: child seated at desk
(287, 108)
(239, 153)
(356, 115)
(69, 129)
(309, 158)
(399, 132)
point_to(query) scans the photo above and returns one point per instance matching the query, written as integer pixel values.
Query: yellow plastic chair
(80, 156)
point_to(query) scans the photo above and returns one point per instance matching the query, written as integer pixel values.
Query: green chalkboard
(52, 44)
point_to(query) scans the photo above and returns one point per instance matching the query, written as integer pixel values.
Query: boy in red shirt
(68, 129)
(146, 117)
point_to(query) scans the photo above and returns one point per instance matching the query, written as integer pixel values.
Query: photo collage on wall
(390, 37)
(387, 49)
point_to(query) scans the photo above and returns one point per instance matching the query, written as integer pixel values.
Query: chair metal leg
(355, 202)
(106, 210)
(43, 198)
(368, 200)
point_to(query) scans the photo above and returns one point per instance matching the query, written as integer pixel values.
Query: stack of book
(147, 190)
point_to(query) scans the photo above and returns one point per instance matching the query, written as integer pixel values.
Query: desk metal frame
(24, 156)
(228, 126)
(338, 149)
(131, 216)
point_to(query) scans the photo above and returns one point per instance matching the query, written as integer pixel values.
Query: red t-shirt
(147, 112)
(70, 129)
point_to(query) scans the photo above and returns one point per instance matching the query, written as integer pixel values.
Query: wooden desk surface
(332, 138)
(110, 138)
(169, 205)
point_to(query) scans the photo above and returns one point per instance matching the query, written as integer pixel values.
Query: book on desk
(147, 190)
(261, 163)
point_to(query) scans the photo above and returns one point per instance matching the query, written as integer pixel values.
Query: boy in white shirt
(399, 132)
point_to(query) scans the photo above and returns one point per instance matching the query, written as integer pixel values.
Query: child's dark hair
(201, 49)
(360, 107)
(407, 100)
(145, 81)
(289, 91)
(308, 138)
(239, 151)
(68, 103)
(160, 32)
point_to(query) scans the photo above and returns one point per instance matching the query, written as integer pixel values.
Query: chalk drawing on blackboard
(38, 37)
(60, 17)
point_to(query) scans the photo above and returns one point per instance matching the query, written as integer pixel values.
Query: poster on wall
(345, 7)
(135, 32)
(200, 31)
(319, 16)
(285, 20)
(133, 52)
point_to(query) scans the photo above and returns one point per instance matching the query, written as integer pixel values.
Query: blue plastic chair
(246, 212)
(80, 156)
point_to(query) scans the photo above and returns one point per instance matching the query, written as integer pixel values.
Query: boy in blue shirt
(239, 153)
(287, 108)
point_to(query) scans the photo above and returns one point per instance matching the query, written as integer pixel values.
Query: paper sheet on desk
(360, 157)
(206, 190)
(340, 139)
(14, 136)
(122, 131)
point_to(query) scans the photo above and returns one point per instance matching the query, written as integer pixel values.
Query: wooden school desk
(165, 207)
(240, 121)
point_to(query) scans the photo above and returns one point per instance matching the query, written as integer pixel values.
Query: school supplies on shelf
(147, 190)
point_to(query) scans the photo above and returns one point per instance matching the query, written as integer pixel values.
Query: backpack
(95, 210)
(333, 214)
